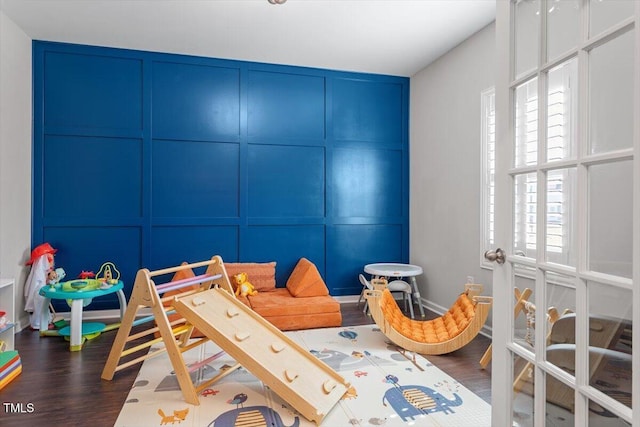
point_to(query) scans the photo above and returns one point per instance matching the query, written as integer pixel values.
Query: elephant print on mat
(251, 416)
(411, 400)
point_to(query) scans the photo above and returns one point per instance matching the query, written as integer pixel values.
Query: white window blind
(559, 189)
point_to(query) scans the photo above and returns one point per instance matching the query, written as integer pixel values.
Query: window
(559, 182)
(526, 154)
(487, 168)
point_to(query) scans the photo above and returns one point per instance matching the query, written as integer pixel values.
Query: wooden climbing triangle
(298, 377)
(130, 348)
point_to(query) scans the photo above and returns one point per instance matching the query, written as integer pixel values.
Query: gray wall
(15, 156)
(445, 151)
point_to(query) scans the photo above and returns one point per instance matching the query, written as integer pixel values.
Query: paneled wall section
(149, 159)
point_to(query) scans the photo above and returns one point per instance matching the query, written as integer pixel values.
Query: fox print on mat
(177, 416)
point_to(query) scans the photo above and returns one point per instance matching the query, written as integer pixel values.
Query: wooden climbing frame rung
(179, 284)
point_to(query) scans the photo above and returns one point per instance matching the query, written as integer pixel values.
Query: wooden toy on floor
(298, 377)
(521, 299)
(609, 358)
(552, 317)
(449, 332)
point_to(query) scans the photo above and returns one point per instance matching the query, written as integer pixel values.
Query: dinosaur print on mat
(340, 362)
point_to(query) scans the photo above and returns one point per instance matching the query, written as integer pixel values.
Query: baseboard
(347, 299)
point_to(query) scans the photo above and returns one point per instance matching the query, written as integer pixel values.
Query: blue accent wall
(150, 159)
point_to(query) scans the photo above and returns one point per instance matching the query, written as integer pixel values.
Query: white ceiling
(396, 37)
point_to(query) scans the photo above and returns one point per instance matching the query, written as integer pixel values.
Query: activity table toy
(79, 292)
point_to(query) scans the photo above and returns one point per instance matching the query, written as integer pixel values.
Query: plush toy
(55, 276)
(243, 286)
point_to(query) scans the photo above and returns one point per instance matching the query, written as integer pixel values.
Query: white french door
(567, 214)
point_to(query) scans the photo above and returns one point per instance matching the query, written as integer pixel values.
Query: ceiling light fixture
(277, 1)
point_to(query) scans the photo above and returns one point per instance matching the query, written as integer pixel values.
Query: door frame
(501, 371)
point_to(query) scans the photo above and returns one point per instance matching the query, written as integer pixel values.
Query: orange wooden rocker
(447, 333)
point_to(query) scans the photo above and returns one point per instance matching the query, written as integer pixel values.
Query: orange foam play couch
(304, 303)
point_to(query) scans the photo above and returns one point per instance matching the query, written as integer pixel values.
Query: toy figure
(86, 275)
(55, 276)
(243, 286)
(41, 263)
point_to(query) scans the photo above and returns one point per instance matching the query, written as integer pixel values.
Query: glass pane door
(567, 137)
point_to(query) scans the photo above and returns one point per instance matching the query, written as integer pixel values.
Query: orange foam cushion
(281, 303)
(305, 280)
(295, 323)
(261, 275)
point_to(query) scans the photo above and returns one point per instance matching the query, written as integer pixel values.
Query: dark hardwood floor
(62, 388)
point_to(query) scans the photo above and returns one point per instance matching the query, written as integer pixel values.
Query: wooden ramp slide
(447, 333)
(298, 377)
